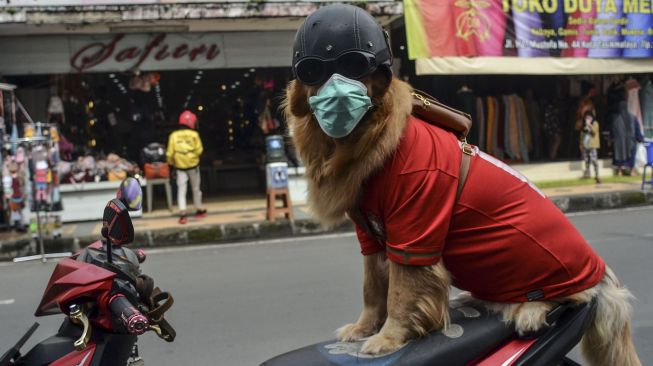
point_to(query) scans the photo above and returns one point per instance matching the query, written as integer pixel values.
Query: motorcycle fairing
(508, 353)
(77, 358)
(559, 339)
(72, 280)
(108, 348)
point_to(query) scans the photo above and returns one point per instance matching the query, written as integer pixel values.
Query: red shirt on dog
(503, 240)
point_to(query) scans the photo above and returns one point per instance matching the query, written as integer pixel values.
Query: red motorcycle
(107, 301)
(475, 337)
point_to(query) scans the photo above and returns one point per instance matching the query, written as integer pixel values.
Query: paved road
(241, 304)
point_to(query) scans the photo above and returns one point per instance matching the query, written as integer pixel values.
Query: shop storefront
(114, 76)
(118, 93)
(526, 69)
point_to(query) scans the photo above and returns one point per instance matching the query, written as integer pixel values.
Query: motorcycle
(474, 337)
(107, 301)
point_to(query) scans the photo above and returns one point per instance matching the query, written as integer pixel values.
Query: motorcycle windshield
(15, 350)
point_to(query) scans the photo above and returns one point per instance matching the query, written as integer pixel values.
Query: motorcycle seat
(473, 333)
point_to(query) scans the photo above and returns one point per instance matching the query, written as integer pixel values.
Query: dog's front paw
(353, 332)
(381, 344)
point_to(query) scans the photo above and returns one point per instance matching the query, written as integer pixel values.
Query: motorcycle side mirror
(117, 226)
(131, 194)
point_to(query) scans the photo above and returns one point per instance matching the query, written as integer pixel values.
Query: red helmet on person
(188, 119)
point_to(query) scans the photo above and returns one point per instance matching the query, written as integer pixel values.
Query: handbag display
(116, 175)
(153, 153)
(156, 170)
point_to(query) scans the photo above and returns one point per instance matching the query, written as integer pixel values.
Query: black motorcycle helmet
(340, 38)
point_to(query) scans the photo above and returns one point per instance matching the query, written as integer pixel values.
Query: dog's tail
(608, 341)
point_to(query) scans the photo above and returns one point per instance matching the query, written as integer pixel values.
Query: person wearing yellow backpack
(184, 152)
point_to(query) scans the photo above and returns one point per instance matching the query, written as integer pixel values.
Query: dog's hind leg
(375, 295)
(527, 317)
(608, 342)
(417, 303)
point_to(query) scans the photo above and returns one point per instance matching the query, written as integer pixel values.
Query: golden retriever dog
(402, 301)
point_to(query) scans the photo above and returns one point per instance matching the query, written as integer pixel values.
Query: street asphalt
(241, 304)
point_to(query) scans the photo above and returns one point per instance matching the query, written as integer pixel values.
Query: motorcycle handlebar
(135, 323)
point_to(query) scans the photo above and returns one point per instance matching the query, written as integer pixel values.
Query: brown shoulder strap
(462, 176)
(431, 111)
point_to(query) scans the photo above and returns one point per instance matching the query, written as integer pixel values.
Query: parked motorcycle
(475, 337)
(106, 299)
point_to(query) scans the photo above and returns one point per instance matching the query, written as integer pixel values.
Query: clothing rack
(30, 143)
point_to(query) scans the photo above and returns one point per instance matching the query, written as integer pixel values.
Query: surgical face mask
(339, 105)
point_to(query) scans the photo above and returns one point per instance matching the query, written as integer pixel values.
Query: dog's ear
(296, 102)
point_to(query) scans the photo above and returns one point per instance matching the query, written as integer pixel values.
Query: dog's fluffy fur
(406, 302)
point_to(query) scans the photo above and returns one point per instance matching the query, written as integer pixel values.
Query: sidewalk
(243, 218)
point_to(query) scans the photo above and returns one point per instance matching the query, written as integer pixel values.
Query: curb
(218, 234)
(229, 233)
(603, 201)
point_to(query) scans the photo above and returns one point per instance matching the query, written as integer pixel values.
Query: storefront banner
(120, 52)
(529, 28)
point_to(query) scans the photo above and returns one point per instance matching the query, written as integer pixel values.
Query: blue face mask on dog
(339, 105)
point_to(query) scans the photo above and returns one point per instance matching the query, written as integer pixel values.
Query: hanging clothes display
(623, 136)
(480, 122)
(504, 127)
(551, 128)
(646, 102)
(14, 192)
(497, 129)
(536, 121)
(632, 89)
(512, 129)
(501, 127)
(525, 142)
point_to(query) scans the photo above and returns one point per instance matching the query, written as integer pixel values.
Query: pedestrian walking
(590, 143)
(184, 152)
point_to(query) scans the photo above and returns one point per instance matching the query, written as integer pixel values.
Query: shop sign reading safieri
(146, 52)
(609, 29)
(155, 49)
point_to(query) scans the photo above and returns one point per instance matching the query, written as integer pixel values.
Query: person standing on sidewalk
(589, 144)
(184, 152)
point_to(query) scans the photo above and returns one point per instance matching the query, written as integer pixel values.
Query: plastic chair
(649, 163)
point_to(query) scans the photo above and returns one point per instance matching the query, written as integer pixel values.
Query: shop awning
(530, 66)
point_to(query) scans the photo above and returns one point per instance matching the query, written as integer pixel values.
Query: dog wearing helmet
(184, 152)
(397, 176)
